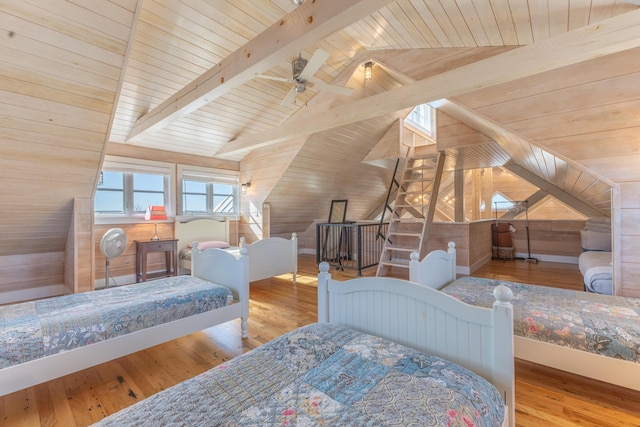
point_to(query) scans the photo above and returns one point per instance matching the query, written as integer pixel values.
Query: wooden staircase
(412, 212)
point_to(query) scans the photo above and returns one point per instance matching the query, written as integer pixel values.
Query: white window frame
(428, 110)
(209, 175)
(130, 166)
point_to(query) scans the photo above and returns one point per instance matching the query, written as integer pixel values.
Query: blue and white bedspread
(602, 324)
(35, 329)
(324, 375)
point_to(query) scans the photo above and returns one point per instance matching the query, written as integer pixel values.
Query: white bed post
(294, 248)
(452, 258)
(414, 270)
(504, 371)
(244, 300)
(323, 292)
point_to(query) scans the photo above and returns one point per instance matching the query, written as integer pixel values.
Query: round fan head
(113, 243)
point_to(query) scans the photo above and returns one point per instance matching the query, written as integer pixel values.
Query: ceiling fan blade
(276, 78)
(290, 98)
(325, 87)
(314, 64)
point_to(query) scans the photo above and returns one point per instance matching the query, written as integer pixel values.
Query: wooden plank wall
(629, 244)
(557, 241)
(555, 238)
(263, 168)
(79, 265)
(122, 269)
(31, 276)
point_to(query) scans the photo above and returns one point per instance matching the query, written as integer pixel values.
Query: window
(499, 202)
(208, 191)
(422, 117)
(128, 186)
(110, 195)
(148, 189)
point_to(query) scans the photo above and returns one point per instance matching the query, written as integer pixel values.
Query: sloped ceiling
(180, 76)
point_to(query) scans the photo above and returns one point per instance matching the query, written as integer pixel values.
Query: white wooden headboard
(192, 229)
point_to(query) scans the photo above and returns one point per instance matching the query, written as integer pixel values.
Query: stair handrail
(380, 234)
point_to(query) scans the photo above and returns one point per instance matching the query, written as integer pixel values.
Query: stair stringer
(413, 209)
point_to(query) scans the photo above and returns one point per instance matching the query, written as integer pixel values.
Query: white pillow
(211, 244)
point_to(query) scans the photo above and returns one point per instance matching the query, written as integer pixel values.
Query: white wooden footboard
(436, 270)
(417, 316)
(226, 269)
(272, 256)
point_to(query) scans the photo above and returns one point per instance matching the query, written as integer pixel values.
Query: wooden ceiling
(179, 75)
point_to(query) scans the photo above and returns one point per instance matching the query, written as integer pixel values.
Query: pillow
(211, 244)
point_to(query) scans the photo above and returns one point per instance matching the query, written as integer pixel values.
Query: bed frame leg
(243, 328)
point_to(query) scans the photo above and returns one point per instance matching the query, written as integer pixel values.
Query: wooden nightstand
(143, 247)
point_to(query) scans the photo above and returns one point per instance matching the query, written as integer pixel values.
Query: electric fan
(113, 243)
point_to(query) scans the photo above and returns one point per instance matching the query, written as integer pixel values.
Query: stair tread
(396, 263)
(404, 233)
(399, 249)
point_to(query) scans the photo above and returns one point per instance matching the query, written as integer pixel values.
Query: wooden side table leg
(143, 274)
(138, 265)
(176, 265)
(168, 257)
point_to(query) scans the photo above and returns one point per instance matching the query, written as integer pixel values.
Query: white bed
(441, 265)
(597, 271)
(420, 317)
(189, 230)
(212, 265)
(272, 256)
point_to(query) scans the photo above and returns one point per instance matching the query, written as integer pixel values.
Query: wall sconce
(368, 70)
(244, 186)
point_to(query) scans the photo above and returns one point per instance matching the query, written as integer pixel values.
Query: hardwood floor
(544, 397)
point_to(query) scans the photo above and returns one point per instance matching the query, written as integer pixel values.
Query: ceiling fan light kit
(302, 77)
(368, 70)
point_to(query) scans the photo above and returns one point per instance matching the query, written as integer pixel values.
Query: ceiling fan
(302, 77)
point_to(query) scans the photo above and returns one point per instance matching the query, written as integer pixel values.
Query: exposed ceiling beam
(536, 197)
(556, 192)
(298, 30)
(604, 38)
(503, 136)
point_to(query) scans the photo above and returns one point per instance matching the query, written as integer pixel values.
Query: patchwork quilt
(35, 329)
(324, 375)
(602, 324)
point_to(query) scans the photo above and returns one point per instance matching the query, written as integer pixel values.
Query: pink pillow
(212, 244)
